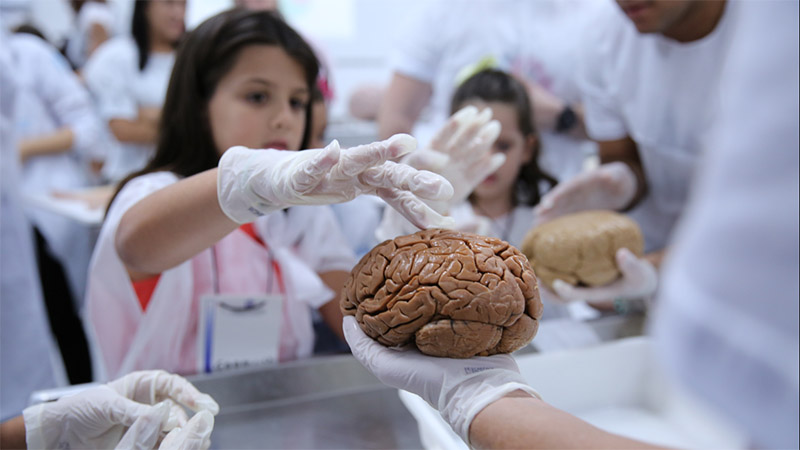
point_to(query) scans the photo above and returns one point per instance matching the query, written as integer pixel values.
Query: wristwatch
(566, 120)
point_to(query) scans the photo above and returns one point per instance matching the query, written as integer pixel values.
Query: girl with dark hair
(204, 217)
(128, 76)
(507, 196)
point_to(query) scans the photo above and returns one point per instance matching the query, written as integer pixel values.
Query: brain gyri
(452, 294)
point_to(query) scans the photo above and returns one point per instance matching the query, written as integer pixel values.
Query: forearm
(521, 421)
(137, 131)
(12, 433)
(402, 105)
(172, 225)
(330, 312)
(58, 142)
(626, 151)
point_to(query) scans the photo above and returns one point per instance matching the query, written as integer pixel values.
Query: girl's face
(166, 19)
(261, 102)
(517, 148)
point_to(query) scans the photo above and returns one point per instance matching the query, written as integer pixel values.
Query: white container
(615, 386)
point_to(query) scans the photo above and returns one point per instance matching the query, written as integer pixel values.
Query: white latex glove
(610, 186)
(639, 280)
(462, 151)
(195, 435)
(252, 183)
(100, 417)
(458, 388)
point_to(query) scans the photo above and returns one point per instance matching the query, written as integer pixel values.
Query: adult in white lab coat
(727, 326)
(128, 76)
(648, 81)
(28, 356)
(536, 40)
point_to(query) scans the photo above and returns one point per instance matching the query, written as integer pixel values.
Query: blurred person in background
(128, 76)
(648, 72)
(29, 358)
(60, 138)
(94, 25)
(537, 41)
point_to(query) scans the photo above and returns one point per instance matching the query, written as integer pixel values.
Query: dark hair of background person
(497, 86)
(78, 4)
(185, 144)
(140, 29)
(27, 28)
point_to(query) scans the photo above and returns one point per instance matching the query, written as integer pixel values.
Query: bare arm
(521, 421)
(12, 433)
(143, 130)
(402, 104)
(330, 311)
(171, 225)
(625, 150)
(57, 142)
(97, 35)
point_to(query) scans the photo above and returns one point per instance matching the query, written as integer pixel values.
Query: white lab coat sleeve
(323, 245)
(69, 100)
(420, 49)
(109, 75)
(596, 82)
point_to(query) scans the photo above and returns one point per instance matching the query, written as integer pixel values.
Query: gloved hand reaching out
(131, 412)
(610, 186)
(458, 388)
(252, 183)
(639, 280)
(461, 152)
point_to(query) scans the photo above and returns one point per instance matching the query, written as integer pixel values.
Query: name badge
(238, 331)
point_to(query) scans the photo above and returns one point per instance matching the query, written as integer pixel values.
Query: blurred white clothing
(303, 241)
(28, 354)
(120, 89)
(358, 219)
(727, 322)
(91, 13)
(657, 91)
(50, 97)
(537, 40)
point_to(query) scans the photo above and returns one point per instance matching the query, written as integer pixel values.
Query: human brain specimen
(451, 293)
(581, 248)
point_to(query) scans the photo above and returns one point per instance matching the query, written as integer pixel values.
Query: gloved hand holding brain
(452, 294)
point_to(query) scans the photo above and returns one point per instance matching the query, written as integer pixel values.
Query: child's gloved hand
(610, 186)
(462, 151)
(252, 183)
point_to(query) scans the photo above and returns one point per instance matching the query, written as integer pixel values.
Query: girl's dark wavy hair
(185, 144)
(492, 85)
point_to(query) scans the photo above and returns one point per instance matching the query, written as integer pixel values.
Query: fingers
(177, 416)
(196, 435)
(179, 389)
(421, 183)
(357, 159)
(145, 429)
(445, 135)
(427, 159)
(640, 275)
(414, 209)
(312, 171)
(463, 144)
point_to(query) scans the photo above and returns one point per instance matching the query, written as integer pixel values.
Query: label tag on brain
(238, 331)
